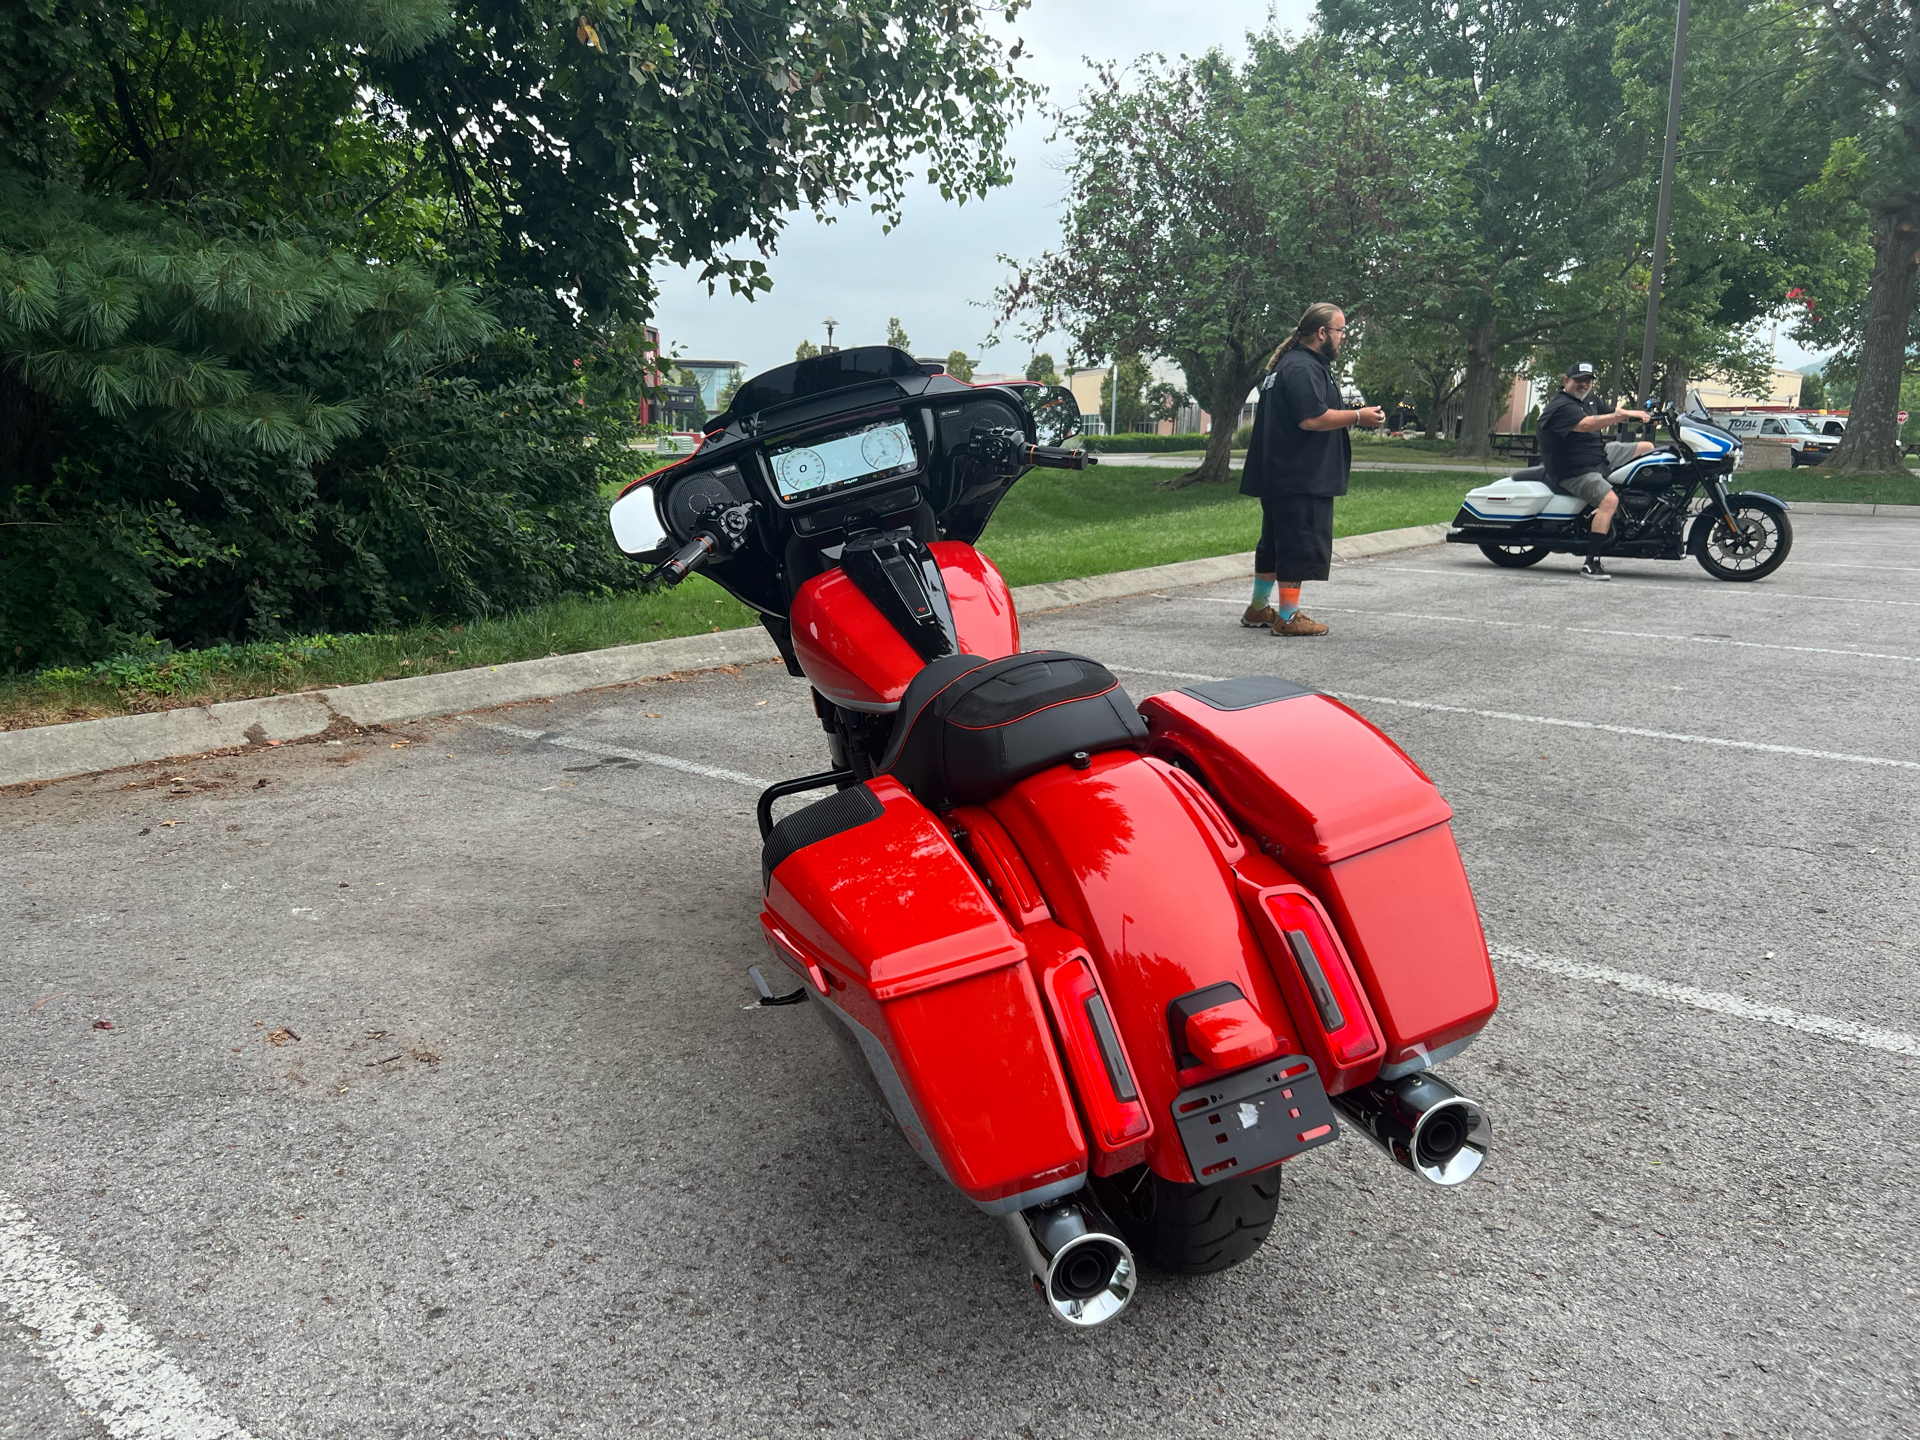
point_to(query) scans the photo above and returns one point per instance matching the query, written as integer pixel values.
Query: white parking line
(1894, 1042)
(1845, 565)
(1595, 630)
(1646, 734)
(1570, 579)
(111, 1367)
(645, 757)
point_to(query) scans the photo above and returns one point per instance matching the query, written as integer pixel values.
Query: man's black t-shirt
(1283, 459)
(1565, 451)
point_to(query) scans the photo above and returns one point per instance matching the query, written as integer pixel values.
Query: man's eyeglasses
(1583, 379)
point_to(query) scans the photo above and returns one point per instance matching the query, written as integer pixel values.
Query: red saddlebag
(869, 900)
(1342, 808)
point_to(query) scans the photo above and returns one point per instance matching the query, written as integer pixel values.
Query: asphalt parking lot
(406, 1086)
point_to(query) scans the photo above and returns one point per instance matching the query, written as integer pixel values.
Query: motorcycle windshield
(820, 375)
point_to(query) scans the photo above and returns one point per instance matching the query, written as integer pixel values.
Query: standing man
(1297, 463)
(1578, 460)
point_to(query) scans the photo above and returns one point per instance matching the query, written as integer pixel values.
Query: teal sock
(1262, 594)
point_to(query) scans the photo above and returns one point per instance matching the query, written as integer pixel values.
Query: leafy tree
(897, 335)
(1538, 114)
(1879, 43)
(1813, 390)
(959, 366)
(277, 277)
(1210, 202)
(805, 350)
(1041, 368)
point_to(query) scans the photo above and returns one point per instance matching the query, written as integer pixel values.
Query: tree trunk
(1872, 443)
(1617, 376)
(1224, 407)
(1480, 391)
(1437, 402)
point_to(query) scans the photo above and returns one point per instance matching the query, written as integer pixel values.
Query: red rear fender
(1128, 861)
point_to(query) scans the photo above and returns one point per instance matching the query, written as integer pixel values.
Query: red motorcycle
(1107, 966)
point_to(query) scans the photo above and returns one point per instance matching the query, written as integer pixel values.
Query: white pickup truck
(1807, 445)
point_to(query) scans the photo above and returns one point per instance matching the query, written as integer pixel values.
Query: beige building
(1783, 390)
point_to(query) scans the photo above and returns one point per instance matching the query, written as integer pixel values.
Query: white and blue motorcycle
(1674, 503)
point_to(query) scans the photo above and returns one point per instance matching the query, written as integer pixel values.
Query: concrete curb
(1835, 507)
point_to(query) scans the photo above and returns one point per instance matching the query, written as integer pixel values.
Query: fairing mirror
(635, 518)
(1056, 414)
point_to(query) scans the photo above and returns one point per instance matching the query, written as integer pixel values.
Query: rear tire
(1191, 1229)
(1515, 557)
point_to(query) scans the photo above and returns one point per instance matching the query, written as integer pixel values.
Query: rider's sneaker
(1594, 570)
(1258, 619)
(1301, 624)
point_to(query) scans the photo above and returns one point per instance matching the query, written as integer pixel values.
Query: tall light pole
(1666, 202)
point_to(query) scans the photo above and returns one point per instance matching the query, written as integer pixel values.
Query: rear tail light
(1095, 1056)
(1322, 965)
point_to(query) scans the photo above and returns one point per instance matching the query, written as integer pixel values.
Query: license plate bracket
(1253, 1117)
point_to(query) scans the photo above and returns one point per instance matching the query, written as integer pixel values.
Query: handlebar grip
(1058, 458)
(688, 558)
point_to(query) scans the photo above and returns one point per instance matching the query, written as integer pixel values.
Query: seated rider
(1578, 460)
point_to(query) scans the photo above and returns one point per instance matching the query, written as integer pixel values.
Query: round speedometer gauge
(883, 448)
(799, 470)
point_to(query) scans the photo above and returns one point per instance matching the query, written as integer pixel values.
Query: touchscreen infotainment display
(827, 464)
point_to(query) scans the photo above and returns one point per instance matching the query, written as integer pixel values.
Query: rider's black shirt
(1565, 451)
(1282, 458)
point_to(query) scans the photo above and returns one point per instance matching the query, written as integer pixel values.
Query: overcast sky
(937, 270)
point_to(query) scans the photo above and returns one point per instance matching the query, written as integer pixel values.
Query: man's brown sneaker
(1259, 619)
(1301, 624)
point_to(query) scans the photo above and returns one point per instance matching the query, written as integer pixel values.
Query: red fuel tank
(856, 659)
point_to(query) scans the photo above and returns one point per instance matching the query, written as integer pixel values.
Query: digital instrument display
(880, 449)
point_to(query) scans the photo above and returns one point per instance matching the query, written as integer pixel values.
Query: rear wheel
(1754, 548)
(1191, 1229)
(1515, 557)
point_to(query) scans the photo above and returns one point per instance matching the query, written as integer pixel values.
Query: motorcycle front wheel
(1191, 1229)
(1755, 548)
(1515, 557)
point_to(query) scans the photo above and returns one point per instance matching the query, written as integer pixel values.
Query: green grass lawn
(1062, 524)
(1055, 525)
(1808, 483)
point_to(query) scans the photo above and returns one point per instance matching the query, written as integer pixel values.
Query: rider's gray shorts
(1593, 487)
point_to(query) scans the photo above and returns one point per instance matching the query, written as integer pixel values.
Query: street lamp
(1666, 203)
(830, 322)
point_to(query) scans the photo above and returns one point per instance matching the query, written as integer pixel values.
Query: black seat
(968, 727)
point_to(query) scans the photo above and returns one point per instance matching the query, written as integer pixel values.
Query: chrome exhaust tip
(1084, 1271)
(1424, 1124)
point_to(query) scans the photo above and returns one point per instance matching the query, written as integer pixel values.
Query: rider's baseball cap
(1581, 371)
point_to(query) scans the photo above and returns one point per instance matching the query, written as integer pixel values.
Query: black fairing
(951, 497)
(968, 728)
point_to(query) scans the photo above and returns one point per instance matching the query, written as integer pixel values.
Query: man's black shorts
(1296, 537)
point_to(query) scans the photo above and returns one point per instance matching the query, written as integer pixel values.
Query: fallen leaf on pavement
(168, 824)
(281, 1036)
(103, 1024)
(146, 830)
(261, 783)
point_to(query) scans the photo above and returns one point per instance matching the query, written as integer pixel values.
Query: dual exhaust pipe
(1423, 1124)
(1086, 1274)
(1082, 1268)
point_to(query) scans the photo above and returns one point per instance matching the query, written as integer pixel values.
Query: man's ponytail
(1319, 316)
